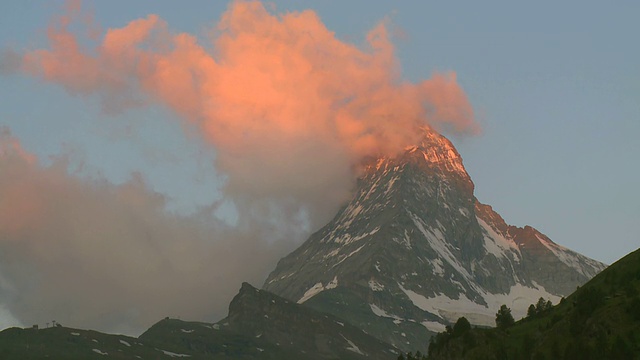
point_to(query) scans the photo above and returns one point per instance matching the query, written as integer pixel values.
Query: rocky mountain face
(414, 250)
(299, 330)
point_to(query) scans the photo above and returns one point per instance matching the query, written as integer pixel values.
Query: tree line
(504, 319)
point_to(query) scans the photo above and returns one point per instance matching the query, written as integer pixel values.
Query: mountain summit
(414, 250)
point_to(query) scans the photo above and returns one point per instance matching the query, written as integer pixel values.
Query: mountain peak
(433, 148)
(414, 249)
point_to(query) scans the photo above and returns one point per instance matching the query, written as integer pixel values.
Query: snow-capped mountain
(414, 250)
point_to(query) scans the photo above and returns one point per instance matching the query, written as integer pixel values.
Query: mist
(88, 253)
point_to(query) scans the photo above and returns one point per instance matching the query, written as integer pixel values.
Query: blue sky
(555, 88)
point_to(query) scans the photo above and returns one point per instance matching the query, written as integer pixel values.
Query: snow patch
(313, 291)
(380, 312)
(172, 354)
(281, 278)
(332, 284)
(75, 334)
(449, 309)
(125, 343)
(186, 331)
(352, 346)
(318, 288)
(434, 326)
(348, 256)
(437, 242)
(390, 184)
(438, 266)
(406, 240)
(98, 351)
(348, 239)
(375, 286)
(497, 244)
(518, 300)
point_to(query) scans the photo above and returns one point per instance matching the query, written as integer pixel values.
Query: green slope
(600, 320)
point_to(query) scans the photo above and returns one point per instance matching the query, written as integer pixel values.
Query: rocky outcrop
(297, 329)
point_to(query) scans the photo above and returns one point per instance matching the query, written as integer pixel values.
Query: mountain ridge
(260, 325)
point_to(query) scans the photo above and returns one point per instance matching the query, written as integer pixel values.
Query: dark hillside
(600, 320)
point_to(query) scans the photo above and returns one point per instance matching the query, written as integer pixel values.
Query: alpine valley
(409, 254)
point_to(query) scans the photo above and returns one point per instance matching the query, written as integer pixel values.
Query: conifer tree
(504, 319)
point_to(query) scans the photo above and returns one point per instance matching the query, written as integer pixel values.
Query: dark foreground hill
(600, 320)
(260, 325)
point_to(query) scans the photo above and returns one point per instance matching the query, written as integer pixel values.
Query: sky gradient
(555, 90)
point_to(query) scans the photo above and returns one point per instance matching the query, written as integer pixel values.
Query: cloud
(291, 111)
(92, 254)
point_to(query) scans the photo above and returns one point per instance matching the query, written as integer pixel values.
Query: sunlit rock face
(414, 250)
